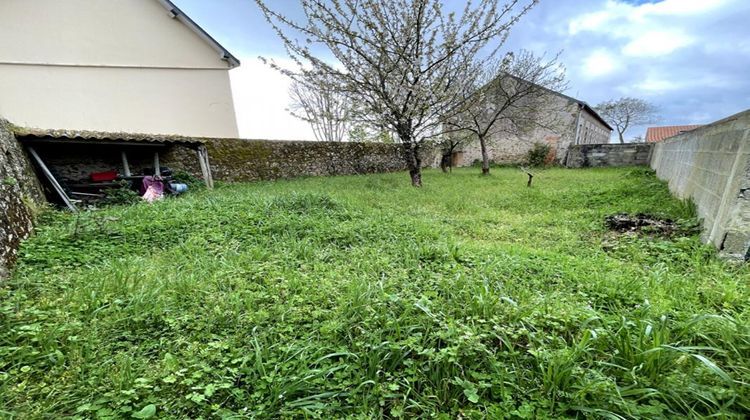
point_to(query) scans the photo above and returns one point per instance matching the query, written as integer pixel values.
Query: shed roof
(103, 137)
(657, 134)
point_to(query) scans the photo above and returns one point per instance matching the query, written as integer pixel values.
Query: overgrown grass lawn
(363, 297)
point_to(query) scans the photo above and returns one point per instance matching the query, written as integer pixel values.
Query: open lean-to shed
(66, 160)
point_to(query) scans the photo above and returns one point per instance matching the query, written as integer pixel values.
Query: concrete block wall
(597, 155)
(711, 166)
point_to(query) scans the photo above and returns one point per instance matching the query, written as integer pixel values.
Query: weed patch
(650, 225)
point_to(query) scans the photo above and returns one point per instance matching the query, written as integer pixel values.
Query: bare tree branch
(320, 103)
(626, 112)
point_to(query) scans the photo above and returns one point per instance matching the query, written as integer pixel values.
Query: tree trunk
(485, 156)
(445, 162)
(622, 140)
(416, 177)
(413, 163)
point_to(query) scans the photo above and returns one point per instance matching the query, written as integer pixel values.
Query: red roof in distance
(657, 134)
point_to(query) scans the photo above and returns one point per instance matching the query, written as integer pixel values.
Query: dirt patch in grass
(645, 228)
(643, 223)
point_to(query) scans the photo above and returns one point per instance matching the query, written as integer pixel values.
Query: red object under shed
(103, 176)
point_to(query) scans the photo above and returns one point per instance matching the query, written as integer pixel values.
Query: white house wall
(157, 101)
(110, 65)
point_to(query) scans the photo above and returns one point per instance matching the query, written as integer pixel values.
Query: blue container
(178, 188)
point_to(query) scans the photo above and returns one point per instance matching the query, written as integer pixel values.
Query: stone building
(136, 66)
(570, 121)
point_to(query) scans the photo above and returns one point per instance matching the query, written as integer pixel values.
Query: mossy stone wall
(235, 160)
(19, 188)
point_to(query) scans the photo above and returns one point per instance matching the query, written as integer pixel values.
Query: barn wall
(556, 128)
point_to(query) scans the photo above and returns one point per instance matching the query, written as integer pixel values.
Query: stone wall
(19, 189)
(596, 155)
(711, 166)
(234, 160)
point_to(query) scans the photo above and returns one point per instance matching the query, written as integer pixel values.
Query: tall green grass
(364, 297)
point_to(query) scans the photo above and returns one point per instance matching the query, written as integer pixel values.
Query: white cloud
(260, 101)
(654, 84)
(648, 29)
(600, 63)
(657, 43)
(678, 7)
(590, 22)
(699, 117)
(623, 19)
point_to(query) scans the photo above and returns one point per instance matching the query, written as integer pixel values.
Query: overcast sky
(691, 58)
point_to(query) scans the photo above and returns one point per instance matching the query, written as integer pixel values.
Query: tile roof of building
(101, 136)
(657, 134)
